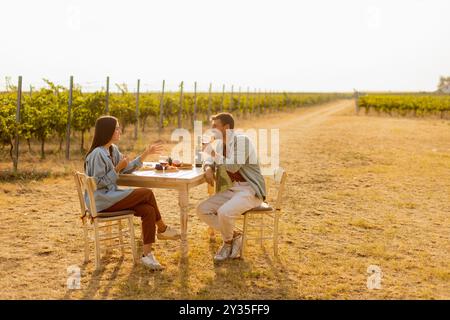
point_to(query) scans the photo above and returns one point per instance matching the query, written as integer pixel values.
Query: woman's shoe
(150, 261)
(169, 234)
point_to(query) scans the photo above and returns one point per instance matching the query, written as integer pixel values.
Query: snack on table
(159, 168)
(186, 166)
(181, 165)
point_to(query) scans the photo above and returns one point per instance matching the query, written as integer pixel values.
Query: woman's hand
(152, 149)
(122, 164)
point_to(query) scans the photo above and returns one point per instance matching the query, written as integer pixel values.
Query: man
(239, 184)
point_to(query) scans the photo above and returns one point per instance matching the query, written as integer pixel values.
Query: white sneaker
(236, 247)
(169, 234)
(150, 261)
(223, 253)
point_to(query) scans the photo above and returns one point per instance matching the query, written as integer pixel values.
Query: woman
(104, 162)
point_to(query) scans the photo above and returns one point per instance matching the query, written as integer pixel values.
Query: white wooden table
(181, 180)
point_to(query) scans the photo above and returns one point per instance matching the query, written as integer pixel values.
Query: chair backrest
(278, 179)
(88, 185)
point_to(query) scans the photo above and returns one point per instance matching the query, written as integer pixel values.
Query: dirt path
(361, 191)
(317, 115)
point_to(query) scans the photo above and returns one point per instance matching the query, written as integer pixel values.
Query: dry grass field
(361, 190)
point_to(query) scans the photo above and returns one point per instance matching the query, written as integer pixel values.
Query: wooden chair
(211, 231)
(99, 221)
(263, 212)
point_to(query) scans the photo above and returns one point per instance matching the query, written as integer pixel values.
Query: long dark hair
(104, 131)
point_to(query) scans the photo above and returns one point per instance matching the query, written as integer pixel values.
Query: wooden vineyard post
(161, 107)
(230, 109)
(16, 139)
(69, 118)
(195, 100)
(265, 106)
(238, 106)
(356, 97)
(137, 110)
(180, 110)
(209, 101)
(107, 96)
(259, 102)
(247, 103)
(223, 98)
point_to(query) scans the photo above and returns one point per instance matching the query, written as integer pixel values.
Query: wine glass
(163, 161)
(206, 139)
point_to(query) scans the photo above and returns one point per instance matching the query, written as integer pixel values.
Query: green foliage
(44, 114)
(418, 104)
(123, 107)
(86, 109)
(8, 125)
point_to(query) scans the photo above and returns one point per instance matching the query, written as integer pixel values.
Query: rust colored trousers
(143, 202)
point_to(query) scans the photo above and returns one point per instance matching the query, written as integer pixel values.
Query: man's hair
(225, 118)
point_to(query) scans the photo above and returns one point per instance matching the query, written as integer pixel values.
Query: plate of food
(161, 168)
(181, 165)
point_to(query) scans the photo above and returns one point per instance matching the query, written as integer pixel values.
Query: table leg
(183, 202)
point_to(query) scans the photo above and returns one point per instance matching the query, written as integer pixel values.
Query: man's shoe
(223, 253)
(236, 247)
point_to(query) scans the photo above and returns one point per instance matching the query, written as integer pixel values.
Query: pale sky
(320, 45)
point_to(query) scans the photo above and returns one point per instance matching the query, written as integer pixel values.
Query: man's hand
(209, 176)
(122, 164)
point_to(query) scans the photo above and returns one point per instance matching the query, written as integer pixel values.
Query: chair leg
(109, 232)
(244, 236)
(86, 241)
(132, 240)
(261, 231)
(275, 235)
(119, 225)
(97, 246)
